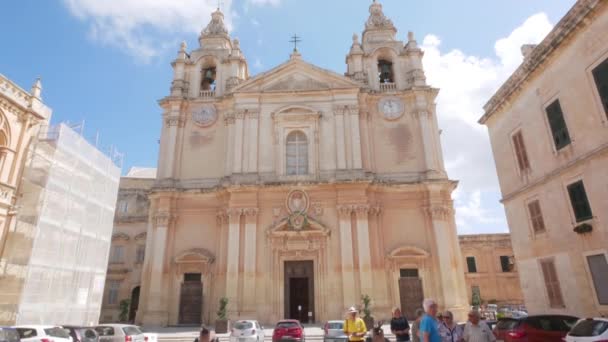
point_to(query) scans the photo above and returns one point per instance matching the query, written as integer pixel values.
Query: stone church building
(294, 192)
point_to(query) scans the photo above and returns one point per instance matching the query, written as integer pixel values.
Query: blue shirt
(428, 325)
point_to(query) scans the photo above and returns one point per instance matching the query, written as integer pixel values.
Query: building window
(475, 295)
(600, 75)
(505, 263)
(579, 201)
(536, 216)
(123, 206)
(408, 273)
(196, 277)
(520, 152)
(471, 265)
(554, 292)
(140, 254)
(559, 130)
(297, 153)
(117, 254)
(385, 71)
(113, 287)
(599, 272)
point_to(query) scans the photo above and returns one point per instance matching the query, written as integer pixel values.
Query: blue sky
(107, 62)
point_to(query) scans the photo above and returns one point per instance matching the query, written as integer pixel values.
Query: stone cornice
(566, 26)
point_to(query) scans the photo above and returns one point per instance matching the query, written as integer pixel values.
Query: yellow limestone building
(294, 192)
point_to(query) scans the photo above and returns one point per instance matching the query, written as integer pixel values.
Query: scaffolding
(56, 257)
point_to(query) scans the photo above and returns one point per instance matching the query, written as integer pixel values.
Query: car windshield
(243, 325)
(287, 325)
(335, 325)
(9, 335)
(105, 331)
(589, 327)
(130, 331)
(27, 332)
(57, 332)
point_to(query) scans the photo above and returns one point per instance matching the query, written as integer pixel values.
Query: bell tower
(381, 61)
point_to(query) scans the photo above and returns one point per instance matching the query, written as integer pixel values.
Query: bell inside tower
(385, 71)
(208, 82)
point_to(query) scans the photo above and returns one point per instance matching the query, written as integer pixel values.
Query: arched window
(385, 71)
(208, 79)
(297, 153)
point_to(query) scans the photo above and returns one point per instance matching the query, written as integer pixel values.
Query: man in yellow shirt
(354, 327)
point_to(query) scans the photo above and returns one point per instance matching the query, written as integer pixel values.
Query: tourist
(354, 327)
(449, 330)
(476, 331)
(400, 326)
(206, 336)
(429, 331)
(416, 325)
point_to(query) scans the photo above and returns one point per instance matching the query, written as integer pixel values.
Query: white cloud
(466, 83)
(146, 28)
(258, 64)
(254, 22)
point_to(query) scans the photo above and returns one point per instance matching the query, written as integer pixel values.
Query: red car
(288, 330)
(542, 328)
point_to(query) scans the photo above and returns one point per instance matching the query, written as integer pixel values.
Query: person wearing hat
(354, 327)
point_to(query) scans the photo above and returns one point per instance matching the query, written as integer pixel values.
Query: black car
(82, 334)
(8, 334)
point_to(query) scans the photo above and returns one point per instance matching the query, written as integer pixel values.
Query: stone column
(229, 120)
(451, 270)
(238, 143)
(249, 274)
(355, 138)
(346, 249)
(340, 142)
(232, 262)
(252, 165)
(156, 314)
(363, 248)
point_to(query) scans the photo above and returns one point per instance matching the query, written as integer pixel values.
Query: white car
(247, 331)
(43, 333)
(589, 330)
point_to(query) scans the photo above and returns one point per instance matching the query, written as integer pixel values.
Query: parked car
(82, 334)
(119, 333)
(247, 331)
(541, 328)
(334, 332)
(42, 333)
(288, 330)
(589, 330)
(8, 334)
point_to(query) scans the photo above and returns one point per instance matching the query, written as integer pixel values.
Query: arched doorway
(134, 304)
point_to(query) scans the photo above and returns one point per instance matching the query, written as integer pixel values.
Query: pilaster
(232, 262)
(355, 138)
(347, 259)
(229, 120)
(340, 140)
(252, 155)
(238, 142)
(250, 258)
(363, 248)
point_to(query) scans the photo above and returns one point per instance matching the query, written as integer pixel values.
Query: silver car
(334, 332)
(247, 331)
(119, 333)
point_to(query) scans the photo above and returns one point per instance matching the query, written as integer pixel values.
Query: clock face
(204, 116)
(391, 108)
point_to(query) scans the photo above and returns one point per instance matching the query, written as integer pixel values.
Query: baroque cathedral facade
(295, 192)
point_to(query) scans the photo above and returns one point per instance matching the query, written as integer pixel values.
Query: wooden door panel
(411, 296)
(191, 303)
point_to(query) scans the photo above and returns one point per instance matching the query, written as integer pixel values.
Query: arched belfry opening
(209, 74)
(385, 71)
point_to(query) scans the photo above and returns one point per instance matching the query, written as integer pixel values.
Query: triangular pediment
(296, 75)
(283, 228)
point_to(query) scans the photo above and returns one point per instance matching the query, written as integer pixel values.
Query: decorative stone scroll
(439, 212)
(163, 218)
(174, 121)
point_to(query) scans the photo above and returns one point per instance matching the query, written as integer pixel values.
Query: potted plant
(124, 310)
(366, 302)
(221, 323)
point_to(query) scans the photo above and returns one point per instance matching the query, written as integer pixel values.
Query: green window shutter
(579, 201)
(559, 130)
(600, 75)
(472, 267)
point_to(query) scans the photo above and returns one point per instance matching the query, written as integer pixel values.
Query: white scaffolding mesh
(58, 251)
